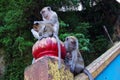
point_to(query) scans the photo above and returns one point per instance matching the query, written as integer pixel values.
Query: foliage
(83, 28)
(79, 32)
(72, 23)
(15, 39)
(100, 43)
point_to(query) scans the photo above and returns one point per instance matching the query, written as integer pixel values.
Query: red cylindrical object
(47, 47)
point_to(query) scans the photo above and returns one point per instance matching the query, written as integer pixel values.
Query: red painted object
(47, 47)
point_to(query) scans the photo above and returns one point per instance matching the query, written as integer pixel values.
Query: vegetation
(17, 16)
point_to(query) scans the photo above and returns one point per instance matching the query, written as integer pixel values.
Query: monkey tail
(88, 74)
(59, 51)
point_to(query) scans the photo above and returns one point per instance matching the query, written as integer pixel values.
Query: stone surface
(46, 68)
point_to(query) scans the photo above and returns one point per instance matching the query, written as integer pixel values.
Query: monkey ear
(49, 8)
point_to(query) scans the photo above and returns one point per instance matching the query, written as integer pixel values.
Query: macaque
(36, 27)
(49, 17)
(44, 30)
(74, 58)
(35, 30)
(47, 30)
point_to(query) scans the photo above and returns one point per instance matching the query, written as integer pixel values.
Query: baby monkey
(74, 58)
(47, 30)
(44, 30)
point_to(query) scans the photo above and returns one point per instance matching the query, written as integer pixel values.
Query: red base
(47, 46)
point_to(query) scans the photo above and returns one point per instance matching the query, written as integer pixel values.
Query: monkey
(74, 58)
(49, 17)
(43, 30)
(47, 30)
(35, 30)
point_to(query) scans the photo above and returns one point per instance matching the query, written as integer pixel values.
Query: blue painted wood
(112, 71)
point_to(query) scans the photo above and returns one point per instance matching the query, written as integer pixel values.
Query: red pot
(47, 47)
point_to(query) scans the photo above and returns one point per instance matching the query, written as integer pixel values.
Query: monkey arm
(44, 22)
(35, 34)
(48, 22)
(74, 56)
(74, 60)
(47, 34)
(52, 20)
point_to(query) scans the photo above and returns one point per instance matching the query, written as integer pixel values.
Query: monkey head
(71, 43)
(45, 11)
(36, 27)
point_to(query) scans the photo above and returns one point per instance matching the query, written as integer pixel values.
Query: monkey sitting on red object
(49, 27)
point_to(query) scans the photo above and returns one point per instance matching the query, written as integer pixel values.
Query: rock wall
(47, 69)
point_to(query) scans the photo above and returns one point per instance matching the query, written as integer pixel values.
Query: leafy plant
(14, 38)
(80, 31)
(100, 44)
(82, 28)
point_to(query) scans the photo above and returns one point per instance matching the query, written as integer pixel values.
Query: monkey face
(36, 27)
(71, 40)
(70, 43)
(45, 11)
